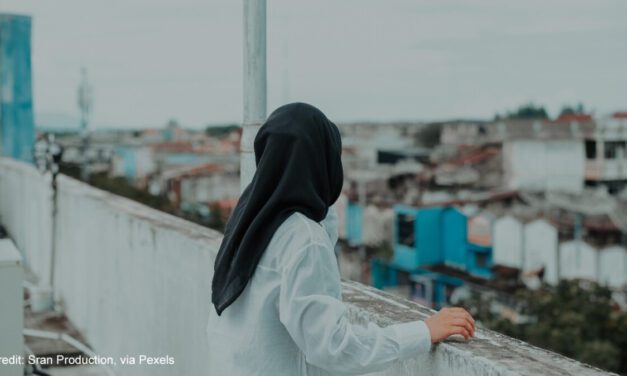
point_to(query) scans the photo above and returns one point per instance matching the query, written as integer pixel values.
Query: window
(615, 186)
(448, 292)
(406, 233)
(591, 149)
(481, 259)
(420, 290)
(614, 149)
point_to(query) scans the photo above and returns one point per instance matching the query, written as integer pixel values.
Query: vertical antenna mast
(85, 102)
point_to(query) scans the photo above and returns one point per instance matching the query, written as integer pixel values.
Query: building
(439, 249)
(567, 154)
(540, 252)
(579, 259)
(17, 128)
(133, 161)
(606, 153)
(544, 165)
(188, 187)
(508, 242)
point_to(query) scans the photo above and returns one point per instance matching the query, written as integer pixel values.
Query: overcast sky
(152, 60)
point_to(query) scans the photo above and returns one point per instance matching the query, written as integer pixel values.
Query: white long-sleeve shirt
(290, 319)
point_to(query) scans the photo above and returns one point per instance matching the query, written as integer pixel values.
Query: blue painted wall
(440, 238)
(129, 160)
(17, 129)
(454, 226)
(427, 248)
(429, 234)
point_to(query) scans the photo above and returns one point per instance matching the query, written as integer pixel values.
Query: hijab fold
(299, 169)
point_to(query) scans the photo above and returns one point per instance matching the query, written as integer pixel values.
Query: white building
(508, 242)
(541, 165)
(606, 153)
(479, 229)
(377, 225)
(578, 259)
(540, 249)
(613, 266)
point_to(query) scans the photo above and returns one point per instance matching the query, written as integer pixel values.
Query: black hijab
(299, 169)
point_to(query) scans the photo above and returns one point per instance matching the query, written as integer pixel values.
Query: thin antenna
(85, 103)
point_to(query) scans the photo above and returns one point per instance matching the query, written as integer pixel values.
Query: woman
(276, 288)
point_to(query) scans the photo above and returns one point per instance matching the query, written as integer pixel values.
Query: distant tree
(601, 354)
(576, 319)
(122, 187)
(429, 135)
(568, 110)
(526, 112)
(215, 218)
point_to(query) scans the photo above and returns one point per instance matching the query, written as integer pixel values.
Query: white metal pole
(254, 84)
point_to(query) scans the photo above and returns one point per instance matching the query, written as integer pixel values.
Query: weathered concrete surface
(489, 353)
(26, 212)
(135, 281)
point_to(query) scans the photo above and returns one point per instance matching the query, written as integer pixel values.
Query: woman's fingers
(451, 321)
(464, 323)
(460, 312)
(459, 330)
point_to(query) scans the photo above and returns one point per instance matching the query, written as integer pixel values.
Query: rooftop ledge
(489, 353)
(126, 273)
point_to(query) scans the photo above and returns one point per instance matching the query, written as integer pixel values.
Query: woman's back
(249, 338)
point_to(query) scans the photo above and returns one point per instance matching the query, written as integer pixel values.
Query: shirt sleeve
(311, 309)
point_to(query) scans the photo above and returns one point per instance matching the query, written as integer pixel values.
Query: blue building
(427, 243)
(417, 239)
(17, 129)
(453, 231)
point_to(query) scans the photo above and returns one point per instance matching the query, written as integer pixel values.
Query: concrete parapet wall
(26, 213)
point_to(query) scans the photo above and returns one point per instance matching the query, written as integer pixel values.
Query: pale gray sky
(151, 60)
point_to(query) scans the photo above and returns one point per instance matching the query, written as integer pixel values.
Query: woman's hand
(450, 321)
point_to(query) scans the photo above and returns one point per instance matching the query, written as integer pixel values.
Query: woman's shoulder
(303, 229)
(294, 235)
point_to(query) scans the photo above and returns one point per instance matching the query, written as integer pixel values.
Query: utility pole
(85, 102)
(255, 84)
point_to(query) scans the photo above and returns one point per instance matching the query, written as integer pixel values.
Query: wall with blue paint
(429, 234)
(17, 129)
(440, 238)
(129, 160)
(454, 225)
(425, 247)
